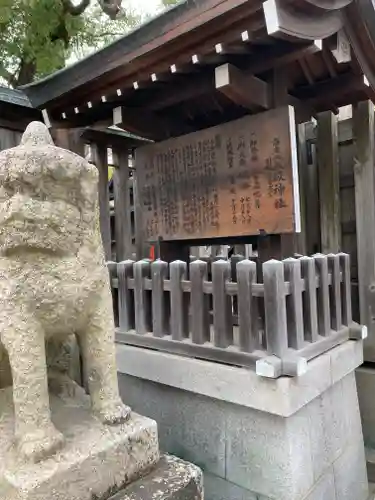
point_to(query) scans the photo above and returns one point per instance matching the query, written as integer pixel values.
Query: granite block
(268, 454)
(193, 428)
(350, 473)
(325, 488)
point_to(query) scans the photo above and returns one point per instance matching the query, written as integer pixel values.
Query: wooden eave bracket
(242, 89)
(144, 123)
(284, 22)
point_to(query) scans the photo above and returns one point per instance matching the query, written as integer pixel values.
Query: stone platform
(287, 439)
(95, 462)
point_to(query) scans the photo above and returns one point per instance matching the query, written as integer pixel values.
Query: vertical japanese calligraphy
(231, 180)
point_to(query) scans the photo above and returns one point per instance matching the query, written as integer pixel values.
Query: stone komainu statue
(53, 283)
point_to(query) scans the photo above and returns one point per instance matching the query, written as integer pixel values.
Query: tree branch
(75, 10)
(26, 72)
(111, 7)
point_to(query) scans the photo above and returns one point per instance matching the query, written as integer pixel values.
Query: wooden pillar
(311, 188)
(140, 242)
(269, 246)
(121, 176)
(364, 180)
(101, 162)
(301, 239)
(329, 182)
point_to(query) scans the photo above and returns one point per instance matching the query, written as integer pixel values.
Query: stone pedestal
(96, 461)
(286, 439)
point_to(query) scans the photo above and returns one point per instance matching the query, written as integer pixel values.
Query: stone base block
(95, 462)
(287, 439)
(171, 479)
(365, 376)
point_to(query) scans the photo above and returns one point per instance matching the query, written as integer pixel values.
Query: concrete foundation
(365, 376)
(285, 439)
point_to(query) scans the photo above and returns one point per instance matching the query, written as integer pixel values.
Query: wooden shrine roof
(205, 62)
(16, 110)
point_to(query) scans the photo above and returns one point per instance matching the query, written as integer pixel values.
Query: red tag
(152, 252)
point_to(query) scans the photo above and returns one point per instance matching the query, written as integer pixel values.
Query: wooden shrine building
(234, 78)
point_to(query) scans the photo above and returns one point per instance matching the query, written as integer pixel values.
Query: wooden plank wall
(9, 138)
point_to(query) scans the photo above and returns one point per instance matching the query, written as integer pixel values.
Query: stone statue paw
(113, 413)
(39, 445)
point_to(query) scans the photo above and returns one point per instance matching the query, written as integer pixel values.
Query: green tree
(168, 3)
(37, 37)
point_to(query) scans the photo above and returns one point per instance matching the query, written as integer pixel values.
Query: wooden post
(310, 310)
(324, 319)
(335, 292)
(101, 162)
(275, 308)
(142, 298)
(125, 270)
(121, 175)
(364, 180)
(179, 301)
(200, 322)
(292, 273)
(140, 247)
(346, 290)
(222, 304)
(160, 302)
(311, 189)
(247, 306)
(329, 182)
(301, 239)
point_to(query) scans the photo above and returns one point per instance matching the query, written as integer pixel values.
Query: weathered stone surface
(216, 488)
(172, 479)
(350, 475)
(53, 283)
(241, 386)
(193, 428)
(264, 455)
(96, 460)
(366, 390)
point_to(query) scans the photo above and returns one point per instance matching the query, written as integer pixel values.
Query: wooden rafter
(282, 54)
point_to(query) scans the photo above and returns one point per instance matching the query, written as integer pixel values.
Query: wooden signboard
(235, 179)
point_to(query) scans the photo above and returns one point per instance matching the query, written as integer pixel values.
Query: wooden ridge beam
(242, 89)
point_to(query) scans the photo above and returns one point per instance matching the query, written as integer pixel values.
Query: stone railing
(296, 310)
